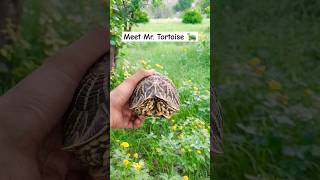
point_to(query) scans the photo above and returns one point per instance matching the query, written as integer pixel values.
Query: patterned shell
(156, 85)
(216, 123)
(87, 116)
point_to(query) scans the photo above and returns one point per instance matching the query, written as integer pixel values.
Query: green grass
(269, 133)
(187, 130)
(180, 60)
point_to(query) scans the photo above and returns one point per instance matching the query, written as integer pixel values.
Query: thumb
(122, 93)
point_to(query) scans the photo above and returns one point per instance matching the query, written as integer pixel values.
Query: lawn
(168, 149)
(267, 62)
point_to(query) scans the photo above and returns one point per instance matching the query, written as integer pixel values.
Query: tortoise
(155, 96)
(86, 125)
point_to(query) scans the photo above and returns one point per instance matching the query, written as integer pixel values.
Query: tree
(182, 5)
(123, 14)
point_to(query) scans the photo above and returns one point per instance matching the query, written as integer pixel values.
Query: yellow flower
(195, 88)
(126, 74)
(174, 127)
(274, 85)
(137, 166)
(185, 178)
(142, 61)
(254, 62)
(190, 81)
(158, 66)
(158, 150)
(136, 155)
(126, 162)
(128, 154)
(124, 144)
(199, 152)
(181, 136)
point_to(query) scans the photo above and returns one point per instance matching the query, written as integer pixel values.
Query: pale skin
(31, 113)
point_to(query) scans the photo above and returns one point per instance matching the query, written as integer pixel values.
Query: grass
(267, 77)
(180, 146)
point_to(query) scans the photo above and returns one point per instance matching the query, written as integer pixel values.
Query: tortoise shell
(217, 124)
(86, 124)
(155, 95)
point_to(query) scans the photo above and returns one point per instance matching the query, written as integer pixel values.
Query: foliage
(207, 11)
(192, 16)
(162, 11)
(182, 5)
(203, 4)
(141, 17)
(125, 14)
(177, 148)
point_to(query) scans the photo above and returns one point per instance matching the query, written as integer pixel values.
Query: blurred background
(32, 30)
(267, 67)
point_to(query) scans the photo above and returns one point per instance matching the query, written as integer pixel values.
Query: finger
(122, 93)
(75, 59)
(137, 123)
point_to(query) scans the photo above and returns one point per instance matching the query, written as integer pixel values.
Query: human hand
(120, 114)
(31, 114)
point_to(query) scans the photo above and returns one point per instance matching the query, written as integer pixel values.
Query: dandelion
(136, 155)
(174, 127)
(137, 166)
(124, 144)
(126, 162)
(158, 66)
(126, 74)
(199, 152)
(185, 178)
(142, 61)
(254, 62)
(274, 85)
